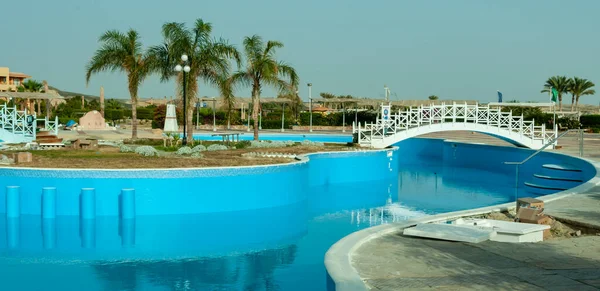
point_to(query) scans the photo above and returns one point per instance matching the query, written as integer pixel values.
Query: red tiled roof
(320, 109)
(18, 75)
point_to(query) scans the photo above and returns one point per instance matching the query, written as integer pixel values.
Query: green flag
(554, 95)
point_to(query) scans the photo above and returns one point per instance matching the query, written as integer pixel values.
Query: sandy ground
(110, 158)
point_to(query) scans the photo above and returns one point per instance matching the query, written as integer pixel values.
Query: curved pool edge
(338, 259)
(305, 171)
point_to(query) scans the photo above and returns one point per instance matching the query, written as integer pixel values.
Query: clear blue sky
(459, 49)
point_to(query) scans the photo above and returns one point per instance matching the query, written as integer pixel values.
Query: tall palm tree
(32, 86)
(561, 84)
(263, 69)
(579, 87)
(208, 60)
(122, 52)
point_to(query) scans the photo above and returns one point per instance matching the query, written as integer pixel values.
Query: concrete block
(528, 202)
(450, 232)
(22, 157)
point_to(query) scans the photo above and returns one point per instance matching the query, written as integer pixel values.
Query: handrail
(540, 150)
(517, 164)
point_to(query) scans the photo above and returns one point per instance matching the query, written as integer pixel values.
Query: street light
(310, 104)
(186, 69)
(282, 116)
(387, 92)
(214, 116)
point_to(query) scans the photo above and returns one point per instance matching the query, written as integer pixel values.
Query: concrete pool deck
(380, 258)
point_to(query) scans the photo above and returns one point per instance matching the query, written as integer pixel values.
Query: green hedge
(590, 121)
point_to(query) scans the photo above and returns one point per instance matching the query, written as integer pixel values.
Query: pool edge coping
(338, 258)
(300, 159)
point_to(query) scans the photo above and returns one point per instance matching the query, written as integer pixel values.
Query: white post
(310, 104)
(343, 117)
(356, 114)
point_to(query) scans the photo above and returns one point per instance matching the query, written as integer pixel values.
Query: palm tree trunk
(134, 102)
(576, 102)
(572, 102)
(255, 105)
(559, 102)
(191, 92)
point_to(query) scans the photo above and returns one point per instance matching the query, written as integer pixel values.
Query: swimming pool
(237, 241)
(329, 138)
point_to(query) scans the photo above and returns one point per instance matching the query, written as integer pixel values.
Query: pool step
(565, 168)
(544, 187)
(557, 178)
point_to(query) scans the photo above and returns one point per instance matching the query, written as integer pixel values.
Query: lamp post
(214, 115)
(343, 116)
(387, 92)
(310, 104)
(282, 116)
(186, 69)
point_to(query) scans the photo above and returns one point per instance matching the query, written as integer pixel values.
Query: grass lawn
(107, 157)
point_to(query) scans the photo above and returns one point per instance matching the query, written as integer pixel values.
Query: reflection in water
(251, 271)
(268, 249)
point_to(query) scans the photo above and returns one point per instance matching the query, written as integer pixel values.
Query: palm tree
(433, 97)
(208, 60)
(561, 84)
(32, 86)
(579, 87)
(263, 69)
(122, 52)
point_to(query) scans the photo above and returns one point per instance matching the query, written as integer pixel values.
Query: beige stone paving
(396, 262)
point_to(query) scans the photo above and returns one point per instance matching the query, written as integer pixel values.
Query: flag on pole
(499, 96)
(554, 95)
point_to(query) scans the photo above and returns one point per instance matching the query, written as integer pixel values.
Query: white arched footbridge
(392, 128)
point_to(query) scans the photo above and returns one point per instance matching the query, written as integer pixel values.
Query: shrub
(125, 149)
(261, 144)
(216, 147)
(199, 148)
(146, 151)
(590, 120)
(312, 143)
(197, 155)
(243, 144)
(184, 151)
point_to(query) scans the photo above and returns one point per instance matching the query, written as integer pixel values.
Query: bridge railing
(455, 113)
(18, 122)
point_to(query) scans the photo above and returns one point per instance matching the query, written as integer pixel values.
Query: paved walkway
(396, 262)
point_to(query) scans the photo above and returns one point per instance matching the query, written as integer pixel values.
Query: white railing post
(453, 111)
(521, 125)
(544, 133)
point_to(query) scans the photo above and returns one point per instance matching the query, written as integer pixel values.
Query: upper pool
(330, 138)
(263, 228)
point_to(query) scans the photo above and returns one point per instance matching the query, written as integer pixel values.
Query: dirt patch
(111, 158)
(558, 229)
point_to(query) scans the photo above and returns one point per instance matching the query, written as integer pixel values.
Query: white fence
(446, 117)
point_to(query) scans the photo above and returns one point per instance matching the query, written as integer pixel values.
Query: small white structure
(93, 120)
(171, 119)
(450, 232)
(507, 231)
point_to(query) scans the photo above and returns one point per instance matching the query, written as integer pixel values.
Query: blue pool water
(270, 248)
(330, 138)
